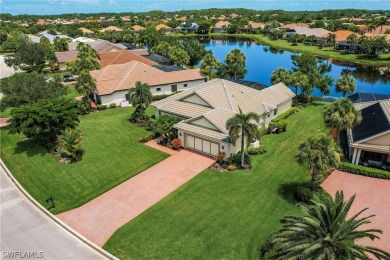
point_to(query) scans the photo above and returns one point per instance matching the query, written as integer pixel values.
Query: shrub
(102, 107)
(256, 151)
(145, 139)
(236, 159)
(113, 105)
(159, 97)
(365, 171)
(84, 107)
(262, 131)
(176, 143)
(304, 194)
(232, 167)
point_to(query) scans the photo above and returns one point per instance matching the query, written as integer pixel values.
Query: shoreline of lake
(324, 53)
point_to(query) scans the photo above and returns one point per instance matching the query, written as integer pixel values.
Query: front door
(174, 88)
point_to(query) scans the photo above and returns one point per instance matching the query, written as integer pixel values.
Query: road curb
(98, 249)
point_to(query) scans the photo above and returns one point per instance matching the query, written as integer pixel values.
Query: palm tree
(141, 97)
(342, 115)
(69, 143)
(324, 232)
(346, 84)
(351, 40)
(332, 38)
(85, 84)
(242, 124)
(235, 60)
(319, 153)
(179, 56)
(209, 63)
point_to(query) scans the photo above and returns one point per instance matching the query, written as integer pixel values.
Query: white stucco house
(206, 108)
(114, 81)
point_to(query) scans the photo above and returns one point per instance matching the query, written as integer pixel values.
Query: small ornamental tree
(69, 144)
(45, 119)
(163, 125)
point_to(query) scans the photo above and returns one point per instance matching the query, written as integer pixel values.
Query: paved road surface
(26, 230)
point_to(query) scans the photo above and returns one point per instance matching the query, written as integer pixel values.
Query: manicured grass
(224, 215)
(112, 155)
(328, 52)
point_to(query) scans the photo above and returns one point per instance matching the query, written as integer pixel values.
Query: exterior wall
(380, 140)
(219, 30)
(284, 106)
(119, 96)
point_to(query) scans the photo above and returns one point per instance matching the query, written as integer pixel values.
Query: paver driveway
(98, 219)
(370, 192)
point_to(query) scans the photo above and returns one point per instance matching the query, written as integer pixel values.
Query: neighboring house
(51, 37)
(140, 51)
(206, 108)
(121, 57)
(137, 28)
(317, 32)
(293, 25)
(164, 28)
(100, 46)
(221, 26)
(381, 29)
(387, 36)
(253, 26)
(64, 57)
(369, 142)
(111, 29)
(342, 38)
(87, 32)
(83, 39)
(114, 81)
(190, 27)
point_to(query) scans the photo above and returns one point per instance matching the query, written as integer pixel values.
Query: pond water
(261, 60)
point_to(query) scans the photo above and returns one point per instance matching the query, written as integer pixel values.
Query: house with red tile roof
(120, 57)
(111, 29)
(114, 81)
(137, 28)
(87, 32)
(221, 26)
(164, 28)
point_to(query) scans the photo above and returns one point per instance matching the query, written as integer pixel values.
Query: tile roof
(99, 46)
(318, 32)
(124, 76)
(256, 25)
(85, 30)
(111, 28)
(120, 57)
(381, 29)
(342, 35)
(142, 52)
(137, 27)
(221, 24)
(387, 36)
(66, 56)
(376, 120)
(293, 25)
(224, 98)
(163, 26)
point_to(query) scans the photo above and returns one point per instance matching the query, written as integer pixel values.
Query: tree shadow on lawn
(287, 190)
(30, 147)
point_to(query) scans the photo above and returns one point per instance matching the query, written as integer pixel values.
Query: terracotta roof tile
(342, 35)
(120, 57)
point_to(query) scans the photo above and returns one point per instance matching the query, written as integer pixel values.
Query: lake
(261, 60)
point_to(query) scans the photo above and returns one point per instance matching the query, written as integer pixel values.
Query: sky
(42, 7)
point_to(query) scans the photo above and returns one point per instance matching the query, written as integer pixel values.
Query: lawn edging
(54, 218)
(365, 171)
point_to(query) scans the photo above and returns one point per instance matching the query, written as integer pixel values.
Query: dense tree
(14, 41)
(140, 98)
(45, 42)
(45, 119)
(352, 39)
(195, 50)
(85, 84)
(331, 38)
(203, 27)
(29, 57)
(342, 115)
(22, 88)
(242, 125)
(324, 231)
(209, 64)
(163, 125)
(86, 60)
(61, 44)
(319, 153)
(149, 37)
(234, 66)
(179, 56)
(163, 48)
(69, 143)
(346, 84)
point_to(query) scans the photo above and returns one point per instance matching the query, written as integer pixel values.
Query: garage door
(202, 145)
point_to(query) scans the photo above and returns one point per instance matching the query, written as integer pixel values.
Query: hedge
(159, 97)
(365, 171)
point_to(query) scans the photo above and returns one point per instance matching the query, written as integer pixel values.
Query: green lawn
(224, 215)
(381, 60)
(112, 155)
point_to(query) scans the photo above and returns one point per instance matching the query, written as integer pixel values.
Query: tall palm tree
(346, 84)
(332, 38)
(245, 125)
(325, 232)
(342, 115)
(179, 56)
(209, 63)
(235, 60)
(85, 84)
(140, 96)
(69, 143)
(319, 153)
(351, 40)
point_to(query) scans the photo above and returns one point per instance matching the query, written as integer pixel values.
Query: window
(158, 89)
(127, 97)
(185, 85)
(275, 112)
